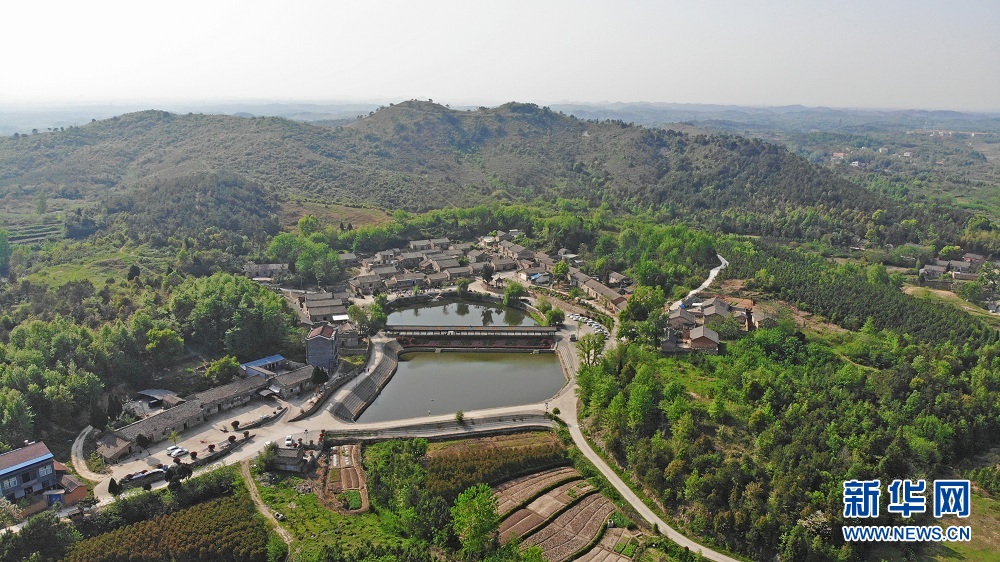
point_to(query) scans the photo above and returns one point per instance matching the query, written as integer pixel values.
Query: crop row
(513, 493)
(449, 474)
(226, 529)
(605, 550)
(573, 530)
(544, 507)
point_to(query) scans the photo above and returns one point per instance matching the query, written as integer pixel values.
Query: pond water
(457, 313)
(444, 383)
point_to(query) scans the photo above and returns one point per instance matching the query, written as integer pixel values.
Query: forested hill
(419, 155)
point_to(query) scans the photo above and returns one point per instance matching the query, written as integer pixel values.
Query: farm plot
(611, 547)
(573, 530)
(514, 493)
(524, 521)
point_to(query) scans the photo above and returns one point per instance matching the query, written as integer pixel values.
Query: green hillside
(418, 155)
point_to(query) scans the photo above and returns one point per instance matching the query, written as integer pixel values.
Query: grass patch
(351, 499)
(332, 214)
(951, 299)
(316, 528)
(985, 543)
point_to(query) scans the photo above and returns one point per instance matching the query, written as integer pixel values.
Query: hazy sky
(865, 53)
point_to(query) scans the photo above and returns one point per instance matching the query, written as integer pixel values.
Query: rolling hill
(419, 155)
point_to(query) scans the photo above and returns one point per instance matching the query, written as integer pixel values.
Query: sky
(851, 53)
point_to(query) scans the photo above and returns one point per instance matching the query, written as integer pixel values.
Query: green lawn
(315, 527)
(951, 299)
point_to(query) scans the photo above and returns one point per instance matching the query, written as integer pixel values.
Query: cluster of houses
(964, 269)
(440, 262)
(261, 379)
(687, 329)
(30, 476)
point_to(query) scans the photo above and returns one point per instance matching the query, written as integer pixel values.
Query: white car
(178, 453)
(172, 448)
(289, 441)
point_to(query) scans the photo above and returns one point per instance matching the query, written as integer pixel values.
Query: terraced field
(614, 541)
(526, 520)
(513, 493)
(572, 530)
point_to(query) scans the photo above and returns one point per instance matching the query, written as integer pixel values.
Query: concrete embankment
(365, 392)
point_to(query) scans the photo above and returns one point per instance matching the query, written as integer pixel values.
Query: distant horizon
(155, 104)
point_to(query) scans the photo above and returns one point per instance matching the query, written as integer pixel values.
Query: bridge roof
(458, 330)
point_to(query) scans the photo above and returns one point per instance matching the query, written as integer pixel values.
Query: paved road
(711, 277)
(481, 420)
(79, 461)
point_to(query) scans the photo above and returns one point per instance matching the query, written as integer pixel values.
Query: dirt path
(79, 462)
(261, 506)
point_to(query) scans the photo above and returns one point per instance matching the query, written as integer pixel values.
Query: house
(366, 284)
(385, 257)
(541, 279)
(716, 312)
(578, 278)
(409, 260)
(933, 271)
(294, 382)
(290, 459)
(26, 471)
(349, 338)
(463, 247)
(703, 339)
(602, 293)
(544, 261)
(504, 264)
(420, 245)
(959, 276)
(227, 396)
(975, 259)
(159, 426)
(763, 320)
(960, 266)
(263, 367)
(619, 279)
(348, 259)
(504, 236)
(478, 256)
(681, 319)
(384, 271)
(68, 491)
(405, 281)
(328, 313)
(529, 273)
(442, 264)
(112, 447)
(515, 251)
(323, 347)
(440, 243)
(436, 279)
(458, 273)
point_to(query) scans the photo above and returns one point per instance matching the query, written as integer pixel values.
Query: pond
(444, 383)
(460, 313)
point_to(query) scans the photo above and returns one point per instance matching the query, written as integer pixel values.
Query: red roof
(25, 455)
(325, 331)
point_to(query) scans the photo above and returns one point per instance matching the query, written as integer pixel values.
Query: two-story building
(25, 471)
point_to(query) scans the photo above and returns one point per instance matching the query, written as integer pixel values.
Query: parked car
(178, 453)
(289, 441)
(172, 448)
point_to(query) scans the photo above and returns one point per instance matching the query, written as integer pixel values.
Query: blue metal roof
(262, 362)
(25, 464)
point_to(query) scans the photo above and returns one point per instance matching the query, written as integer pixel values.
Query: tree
(951, 253)
(513, 292)
(5, 251)
(560, 271)
(114, 488)
(590, 347)
(554, 317)
(164, 345)
(463, 286)
(133, 272)
(476, 521)
(488, 272)
(224, 370)
(174, 437)
(319, 376)
(460, 416)
(9, 512)
(308, 224)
